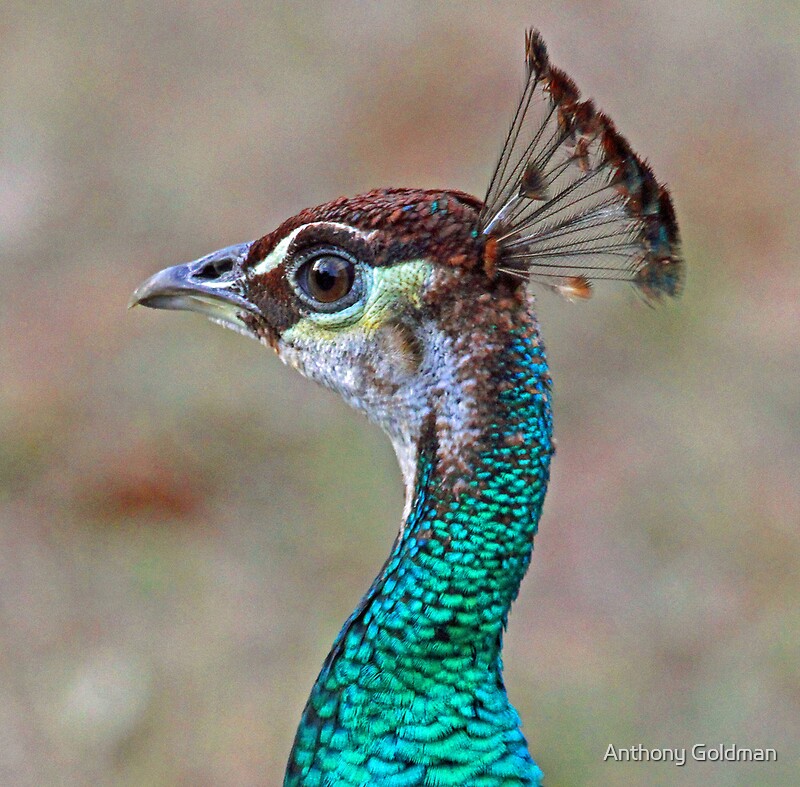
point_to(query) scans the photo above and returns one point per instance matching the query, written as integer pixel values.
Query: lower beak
(212, 285)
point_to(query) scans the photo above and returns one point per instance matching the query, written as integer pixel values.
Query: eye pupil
(328, 278)
(325, 274)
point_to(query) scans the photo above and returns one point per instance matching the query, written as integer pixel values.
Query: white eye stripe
(277, 255)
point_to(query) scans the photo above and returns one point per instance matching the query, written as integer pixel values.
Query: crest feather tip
(535, 52)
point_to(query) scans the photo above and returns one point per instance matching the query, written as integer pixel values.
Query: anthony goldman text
(700, 752)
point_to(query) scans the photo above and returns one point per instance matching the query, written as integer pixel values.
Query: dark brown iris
(328, 278)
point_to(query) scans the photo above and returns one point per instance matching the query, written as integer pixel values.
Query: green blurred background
(185, 524)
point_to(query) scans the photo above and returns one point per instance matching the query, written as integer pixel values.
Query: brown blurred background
(185, 524)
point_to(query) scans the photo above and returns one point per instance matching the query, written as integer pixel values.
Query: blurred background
(185, 523)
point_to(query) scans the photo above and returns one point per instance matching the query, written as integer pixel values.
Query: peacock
(416, 306)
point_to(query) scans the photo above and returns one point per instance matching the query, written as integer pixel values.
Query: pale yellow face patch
(387, 291)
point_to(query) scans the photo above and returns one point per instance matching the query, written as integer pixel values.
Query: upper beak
(212, 285)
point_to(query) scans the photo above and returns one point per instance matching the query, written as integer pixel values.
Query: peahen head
(360, 294)
(370, 296)
(396, 298)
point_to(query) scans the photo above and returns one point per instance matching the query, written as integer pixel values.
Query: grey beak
(212, 285)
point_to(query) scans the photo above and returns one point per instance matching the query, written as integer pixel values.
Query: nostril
(214, 269)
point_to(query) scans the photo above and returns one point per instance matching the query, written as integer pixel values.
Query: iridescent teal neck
(412, 691)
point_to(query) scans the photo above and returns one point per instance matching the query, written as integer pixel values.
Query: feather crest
(570, 202)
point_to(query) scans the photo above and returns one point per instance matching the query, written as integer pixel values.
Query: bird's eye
(326, 279)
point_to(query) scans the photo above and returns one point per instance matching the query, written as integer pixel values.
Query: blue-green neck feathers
(412, 691)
